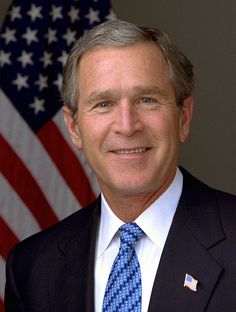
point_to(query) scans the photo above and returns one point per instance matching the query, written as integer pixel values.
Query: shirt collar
(155, 221)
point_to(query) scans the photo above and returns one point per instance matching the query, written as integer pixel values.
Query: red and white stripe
(43, 178)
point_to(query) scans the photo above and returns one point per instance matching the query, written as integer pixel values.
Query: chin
(133, 188)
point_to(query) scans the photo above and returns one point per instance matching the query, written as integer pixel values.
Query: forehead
(142, 53)
(122, 70)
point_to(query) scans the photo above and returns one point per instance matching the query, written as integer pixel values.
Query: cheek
(165, 126)
(91, 132)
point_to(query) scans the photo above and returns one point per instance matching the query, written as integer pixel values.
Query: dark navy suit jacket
(54, 270)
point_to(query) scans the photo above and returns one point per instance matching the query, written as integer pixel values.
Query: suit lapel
(73, 289)
(195, 231)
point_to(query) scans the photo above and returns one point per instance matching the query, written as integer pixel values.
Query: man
(128, 106)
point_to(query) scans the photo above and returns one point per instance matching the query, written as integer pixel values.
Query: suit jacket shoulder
(54, 268)
(201, 243)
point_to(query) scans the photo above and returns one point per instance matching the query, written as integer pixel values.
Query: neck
(136, 203)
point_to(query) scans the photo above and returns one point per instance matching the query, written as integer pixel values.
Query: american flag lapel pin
(190, 282)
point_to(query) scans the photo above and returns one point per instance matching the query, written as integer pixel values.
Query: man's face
(128, 124)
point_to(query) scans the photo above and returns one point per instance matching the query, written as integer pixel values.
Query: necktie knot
(130, 233)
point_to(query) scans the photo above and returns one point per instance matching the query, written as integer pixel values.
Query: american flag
(42, 177)
(190, 282)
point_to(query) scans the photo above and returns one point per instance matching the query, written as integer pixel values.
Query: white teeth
(131, 151)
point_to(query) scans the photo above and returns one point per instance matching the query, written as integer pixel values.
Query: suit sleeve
(12, 300)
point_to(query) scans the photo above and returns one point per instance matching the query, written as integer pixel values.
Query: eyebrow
(138, 90)
(149, 90)
(101, 95)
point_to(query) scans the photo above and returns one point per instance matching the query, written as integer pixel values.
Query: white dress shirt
(155, 223)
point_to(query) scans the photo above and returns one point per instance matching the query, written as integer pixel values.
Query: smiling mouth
(131, 151)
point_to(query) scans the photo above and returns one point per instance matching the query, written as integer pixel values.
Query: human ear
(186, 114)
(72, 127)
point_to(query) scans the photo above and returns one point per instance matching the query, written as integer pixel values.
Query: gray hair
(120, 33)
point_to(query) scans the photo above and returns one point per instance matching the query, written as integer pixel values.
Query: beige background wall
(206, 31)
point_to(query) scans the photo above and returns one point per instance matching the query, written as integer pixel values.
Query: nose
(128, 120)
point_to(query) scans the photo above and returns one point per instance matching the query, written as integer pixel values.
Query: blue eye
(146, 100)
(104, 104)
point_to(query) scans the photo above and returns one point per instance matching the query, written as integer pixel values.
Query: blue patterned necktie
(124, 289)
